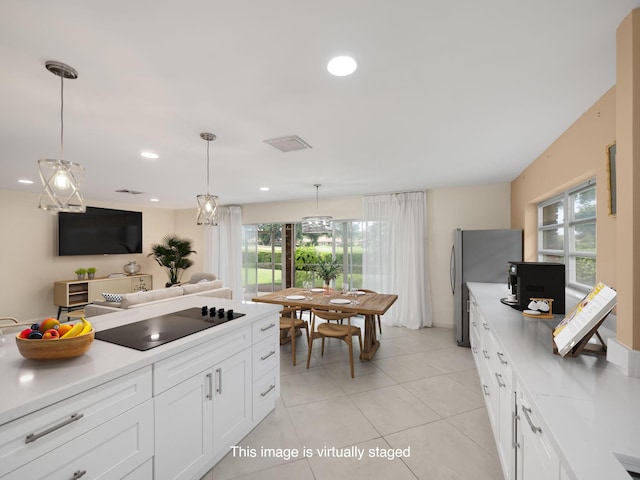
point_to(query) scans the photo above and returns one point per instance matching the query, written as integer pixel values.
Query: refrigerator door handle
(452, 269)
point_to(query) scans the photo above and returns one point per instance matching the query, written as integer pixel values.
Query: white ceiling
(447, 93)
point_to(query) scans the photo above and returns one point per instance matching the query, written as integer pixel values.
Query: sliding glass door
(261, 259)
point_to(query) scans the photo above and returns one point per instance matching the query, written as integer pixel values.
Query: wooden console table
(75, 294)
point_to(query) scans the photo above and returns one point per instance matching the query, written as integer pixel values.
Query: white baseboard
(624, 358)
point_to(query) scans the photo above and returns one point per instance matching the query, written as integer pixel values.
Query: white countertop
(28, 385)
(589, 408)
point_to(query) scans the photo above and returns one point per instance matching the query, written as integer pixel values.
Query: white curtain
(223, 249)
(395, 257)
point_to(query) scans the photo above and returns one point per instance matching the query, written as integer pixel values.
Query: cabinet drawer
(111, 450)
(265, 356)
(265, 392)
(32, 436)
(178, 368)
(265, 328)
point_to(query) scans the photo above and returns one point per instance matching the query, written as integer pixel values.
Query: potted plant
(172, 255)
(328, 269)
(91, 272)
(81, 272)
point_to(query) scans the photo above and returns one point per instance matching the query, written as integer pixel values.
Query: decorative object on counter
(61, 178)
(81, 272)
(328, 269)
(539, 308)
(91, 273)
(571, 336)
(318, 223)
(131, 268)
(172, 255)
(207, 204)
(50, 340)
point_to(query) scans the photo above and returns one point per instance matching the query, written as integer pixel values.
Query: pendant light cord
(208, 142)
(61, 117)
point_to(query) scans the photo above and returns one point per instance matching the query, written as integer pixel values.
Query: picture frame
(611, 174)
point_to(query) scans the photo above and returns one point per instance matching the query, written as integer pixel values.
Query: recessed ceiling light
(264, 189)
(154, 199)
(342, 66)
(28, 182)
(149, 155)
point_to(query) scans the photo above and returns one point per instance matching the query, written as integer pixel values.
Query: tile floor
(420, 395)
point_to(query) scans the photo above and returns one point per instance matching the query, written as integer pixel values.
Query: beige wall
(30, 263)
(578, 154)
(478, 207)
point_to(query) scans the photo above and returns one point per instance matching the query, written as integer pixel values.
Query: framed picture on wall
(611, 173)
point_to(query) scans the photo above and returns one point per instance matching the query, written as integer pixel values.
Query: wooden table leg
(370, 343)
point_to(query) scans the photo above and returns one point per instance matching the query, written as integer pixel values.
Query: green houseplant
(80, 272)
(328, 269)
(172, 255)
(91, 271)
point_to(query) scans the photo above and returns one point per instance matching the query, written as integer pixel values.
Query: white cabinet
(536, 458)
(184, 428)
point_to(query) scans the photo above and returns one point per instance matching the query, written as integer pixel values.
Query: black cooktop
(156, 331)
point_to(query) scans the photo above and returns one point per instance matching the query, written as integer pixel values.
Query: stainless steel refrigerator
(479, 256)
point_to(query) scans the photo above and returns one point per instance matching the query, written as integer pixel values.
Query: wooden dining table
(369, 305)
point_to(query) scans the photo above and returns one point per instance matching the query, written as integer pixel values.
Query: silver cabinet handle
(501, 358)
(486, 354)
(219, 387)
(32, 437)
(264, 329)
(514, 440)
(78, 473)
(272, 352)
(486, 327)
(264, 394)
(534, 429)
(473, 323)
(210, 383)
(475, 350)
(486, 389)
(501, 384)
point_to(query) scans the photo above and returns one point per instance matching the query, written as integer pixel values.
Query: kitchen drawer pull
(486, 327)
(475, 350)
(210, 383)
(219, 387)
(501, 384)
(486, 389)
(534, 429)
(32, 437)
(486, 354)
(264, 394)
(264, 329)
(501, 358)
(78, 474)
(272, 352)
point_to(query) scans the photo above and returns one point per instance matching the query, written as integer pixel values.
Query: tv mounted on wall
(99, 231)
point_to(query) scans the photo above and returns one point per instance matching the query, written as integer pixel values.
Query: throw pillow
(112, 297)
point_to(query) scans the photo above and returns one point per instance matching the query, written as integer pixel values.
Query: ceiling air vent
(288, 144)
(130, 192)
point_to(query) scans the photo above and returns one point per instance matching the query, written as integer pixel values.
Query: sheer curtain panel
(395, 256)
(223, 249)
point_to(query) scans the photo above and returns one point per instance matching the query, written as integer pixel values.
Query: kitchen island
(169, 412)
(553, 417)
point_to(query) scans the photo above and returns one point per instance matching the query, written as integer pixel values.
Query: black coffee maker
(528, 280)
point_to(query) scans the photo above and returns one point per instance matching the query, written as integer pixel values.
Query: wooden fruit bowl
(54, 349)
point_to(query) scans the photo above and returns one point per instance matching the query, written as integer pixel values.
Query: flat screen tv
(99, 231)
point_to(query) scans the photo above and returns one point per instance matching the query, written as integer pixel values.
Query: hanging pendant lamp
(60, 178)
(317, 224)
(207, 204)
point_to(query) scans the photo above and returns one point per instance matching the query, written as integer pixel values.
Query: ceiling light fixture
(207, 204)
(265, 189)
(150, 155)
(61, 178)
(317, 224)
(27, 182)
(342, 66)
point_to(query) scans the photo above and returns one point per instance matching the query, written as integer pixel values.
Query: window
(567, 233)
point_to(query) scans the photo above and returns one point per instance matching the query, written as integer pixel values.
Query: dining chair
(333, 330)
(377, 316)
(290, 325)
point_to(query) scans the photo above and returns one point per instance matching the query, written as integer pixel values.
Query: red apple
(25, 333)
(50, 334)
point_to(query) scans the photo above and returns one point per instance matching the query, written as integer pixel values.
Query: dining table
(366, 304)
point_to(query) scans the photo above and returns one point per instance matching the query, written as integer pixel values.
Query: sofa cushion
(112, 297)
(129, 299)
(201, 287)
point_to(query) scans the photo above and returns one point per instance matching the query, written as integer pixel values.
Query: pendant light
(317, 224)
(61, 178)
(207, 204)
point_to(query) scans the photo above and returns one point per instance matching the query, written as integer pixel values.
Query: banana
(75, 331)
(86, 326)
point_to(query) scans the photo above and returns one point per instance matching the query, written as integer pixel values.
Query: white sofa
(127, 300)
